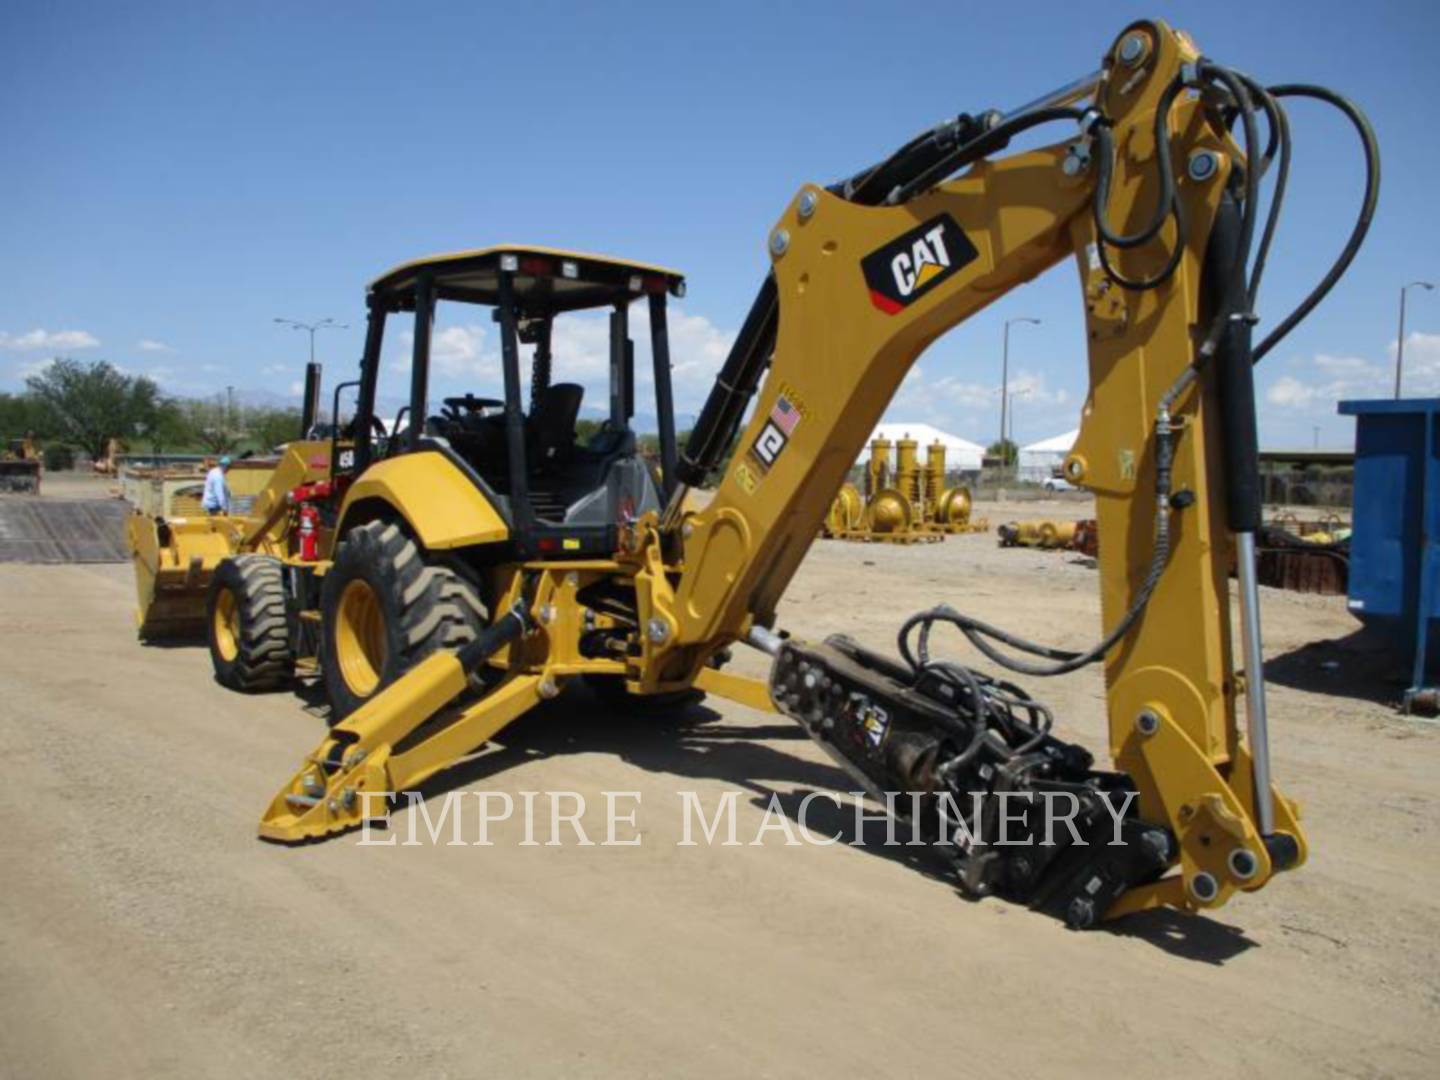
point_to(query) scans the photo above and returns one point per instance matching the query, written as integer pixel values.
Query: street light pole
(311, 328)
(1400, 340)
(1005, 379)
(1016, 395)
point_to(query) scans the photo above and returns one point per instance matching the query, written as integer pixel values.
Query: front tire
(248, 631)
(385, 608)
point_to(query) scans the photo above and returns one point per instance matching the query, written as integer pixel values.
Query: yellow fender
(438, 501)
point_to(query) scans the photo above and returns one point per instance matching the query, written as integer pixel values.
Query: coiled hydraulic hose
(1238, 302)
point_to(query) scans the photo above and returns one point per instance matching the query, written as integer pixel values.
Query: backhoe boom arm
(859, 287)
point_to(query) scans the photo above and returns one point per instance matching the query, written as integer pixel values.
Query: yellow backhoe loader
(482, 560)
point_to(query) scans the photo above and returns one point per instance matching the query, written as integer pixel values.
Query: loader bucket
(173, 562)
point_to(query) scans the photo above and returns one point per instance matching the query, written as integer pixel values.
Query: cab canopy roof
(546, 280)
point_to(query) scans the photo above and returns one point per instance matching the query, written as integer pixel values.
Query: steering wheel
(470, 403)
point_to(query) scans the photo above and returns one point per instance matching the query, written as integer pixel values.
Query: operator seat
(553, 424)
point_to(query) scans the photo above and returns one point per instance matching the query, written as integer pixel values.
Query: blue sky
(176, 176)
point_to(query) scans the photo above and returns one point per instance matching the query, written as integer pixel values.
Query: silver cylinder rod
(1065, 95)
(1250, 643)
(767, 641)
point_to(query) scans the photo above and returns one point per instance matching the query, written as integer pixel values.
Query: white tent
(961, 455)
(1040, 460)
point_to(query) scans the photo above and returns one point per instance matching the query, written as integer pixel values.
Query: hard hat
(225, 462)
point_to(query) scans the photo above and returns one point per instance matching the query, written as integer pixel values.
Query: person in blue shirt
(216, 499)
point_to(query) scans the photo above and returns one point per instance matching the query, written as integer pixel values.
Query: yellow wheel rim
(360, 638)
(226, 625)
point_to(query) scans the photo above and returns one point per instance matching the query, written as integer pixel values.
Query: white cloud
(467, 357)
(29, 368)
(971, 409)
(297, 389)
(1314, 384)
(697, 350)
(460, 350)
(152, 346)
(54, 340)
(456, 353)
(1422, 364)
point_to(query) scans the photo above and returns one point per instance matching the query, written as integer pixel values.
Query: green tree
(90, 404)
(210, 425)
(19, 414)
(1004, 450)
(169, 431)
(268, 427)
(585, 430)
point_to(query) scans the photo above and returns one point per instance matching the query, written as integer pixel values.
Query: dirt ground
(144, 931)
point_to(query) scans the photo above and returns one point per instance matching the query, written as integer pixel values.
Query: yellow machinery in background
(1041, 534)
(947, 509)
(20, 468)
(176, 547)
(910, 506)
(891, 511)
(524, 563)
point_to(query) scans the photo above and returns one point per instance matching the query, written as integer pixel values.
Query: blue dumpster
(1394, 562)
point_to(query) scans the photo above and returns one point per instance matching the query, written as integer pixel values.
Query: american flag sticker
(785, 415)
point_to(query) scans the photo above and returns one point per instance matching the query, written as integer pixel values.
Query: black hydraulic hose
(721, 414)
(1167, 200)
(978, 632)
(995, 138)
(1237, 285)
(1279, 142)
(720, 417)
(1167, 204)
(1104, 145)
(869, 187)
(494, 637)
(1237, 297)
(1362, 222)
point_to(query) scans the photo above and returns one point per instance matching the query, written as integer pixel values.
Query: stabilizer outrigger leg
(343, 782)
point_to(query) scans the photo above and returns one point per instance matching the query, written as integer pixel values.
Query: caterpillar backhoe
(473, 564)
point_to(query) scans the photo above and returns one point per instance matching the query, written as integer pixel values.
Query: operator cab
(560, 495)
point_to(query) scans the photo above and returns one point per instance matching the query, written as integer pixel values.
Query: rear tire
(248, 631)
(384, 609)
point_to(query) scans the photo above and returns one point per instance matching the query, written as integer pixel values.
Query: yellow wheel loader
(584, 570)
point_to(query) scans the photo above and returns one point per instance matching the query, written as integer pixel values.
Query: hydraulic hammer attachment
(400, 737)
(968, 763)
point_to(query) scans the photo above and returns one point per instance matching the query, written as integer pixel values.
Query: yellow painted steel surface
(934, 473)
(360, 638)
(440, 502)
(877, 470)
(171, 576)
(174, 555)
(847, 512)
(907, 470)
(838, 360)
(438, 262)
(890, 511)
(752, 692)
